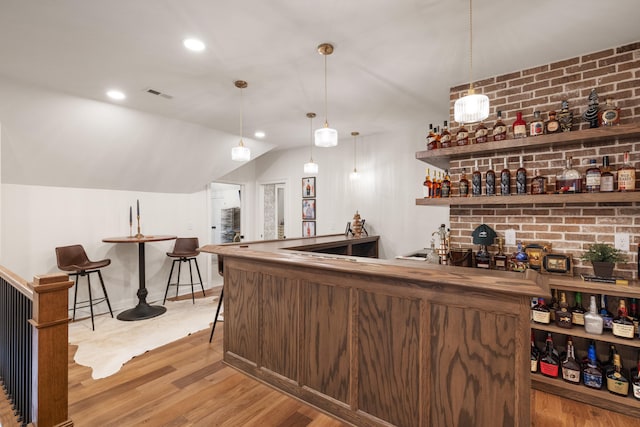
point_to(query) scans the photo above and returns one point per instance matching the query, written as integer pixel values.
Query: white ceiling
(393, 62)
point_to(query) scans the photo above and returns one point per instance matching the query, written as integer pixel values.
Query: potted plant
(603, 258)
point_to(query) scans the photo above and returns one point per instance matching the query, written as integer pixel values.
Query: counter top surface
(412, 272)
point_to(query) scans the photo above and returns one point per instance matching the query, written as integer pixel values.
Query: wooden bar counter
(379, 342)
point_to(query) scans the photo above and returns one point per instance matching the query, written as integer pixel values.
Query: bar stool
(74, 259)
(184, 250)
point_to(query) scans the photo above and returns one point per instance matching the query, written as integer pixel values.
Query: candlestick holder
(139, 235)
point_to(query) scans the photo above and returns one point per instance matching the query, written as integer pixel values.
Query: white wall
(391, 180)
(36, 219)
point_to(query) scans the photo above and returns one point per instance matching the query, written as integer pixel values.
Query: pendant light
(354, 175)
(241, 153)
(473, 107)
(311, 167)
(325, 136)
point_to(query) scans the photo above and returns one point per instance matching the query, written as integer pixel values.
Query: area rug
(114, 342)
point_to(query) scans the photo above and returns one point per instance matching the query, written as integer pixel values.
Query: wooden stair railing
(48, 393)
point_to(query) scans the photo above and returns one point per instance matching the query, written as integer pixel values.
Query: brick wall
(570, 228)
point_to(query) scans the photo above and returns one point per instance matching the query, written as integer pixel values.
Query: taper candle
(130, 215)
(138, 207)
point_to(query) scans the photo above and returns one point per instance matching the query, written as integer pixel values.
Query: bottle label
(505, 183)
(614, 385)
(563, 319)
(577, 318)
(482, 135)
(636, 390)
(445, 141)
(610, 117)
(541, 316)
(534, 366)
(571, 375)
(491, 184)
(500, 133)
(519, 131)
(593, 180)
(464, 189)
(621, 330)
(549, 369)
(626, 179)
(446, 189)
(593, 381)
(476, 185)
(553, 126)
(462, 138)
(607, 322)
(536, 128)
(606, 183)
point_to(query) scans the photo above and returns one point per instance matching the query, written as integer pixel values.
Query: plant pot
(603, 269)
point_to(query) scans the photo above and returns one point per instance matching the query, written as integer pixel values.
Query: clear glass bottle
(607, 180)
(464, 184)
(552, 125)
(592, 374)
(570, 367)
(541, 313)
(563, 317)
(626, 175)
(519, 126)
(462, 136)
(617, 383)
(481, 133)
(476, 182)
(549, 360)
(505, 179)
(445, 136)
(490, 180)
(538, 183)
(536, 127)
(446, 184)
(609, 114)
(592, 177)
(535, 353)
(593, 323)
(578, 311)
(569, 180)
(521, 179)
(499, 129)
(622, 326)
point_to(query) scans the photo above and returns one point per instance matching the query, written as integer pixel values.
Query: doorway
(272, 201)
(226, 205)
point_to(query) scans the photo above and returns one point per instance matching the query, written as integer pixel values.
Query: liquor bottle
(490, 180)
(626, 175)
(606, 178)
(607, 366)
(428, 185)
(565, 117)
(462, 136)
(445, 136)
(536, 127)
(607, 317)
(569, 180)
(592, 177)
(481, 134)
(609, 115)
(570, 366)
(464, 184)
(535, 353)
(633, 315)
(541, 313)
(521, 179)
(499, 129)
(549, 360)
(593, 322)
(519, 126)
(592, 375)
(616, 381)
(578, 311)
(622, 325)
(476, 182)
(446, 184)
(553, 305)
(552, 125)
(635, 379)
(432, 139)
(563, 315)
(505, 179)
(437, 186)
(538, 183)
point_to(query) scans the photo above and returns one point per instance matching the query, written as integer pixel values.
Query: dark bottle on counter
(563, 315)
(521, 179)
(464, 184)
(549, 360)
(541, 313)
(499, 129)
(592, 374)
(570, 367)
(622, 326)
(476, 182)
(592, 177)
(481, 133)
(505, 179)
(607, 183)
(578, 311)
(536, 127)
(446, 184)
(490, 180)
(617, 383)
(445, 136)
(535, 353)
(538, 183)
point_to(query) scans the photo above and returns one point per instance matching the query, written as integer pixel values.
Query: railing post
(51, 350)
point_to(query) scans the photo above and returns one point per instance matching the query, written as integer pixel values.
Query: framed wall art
(309, 187)
(308, 228)
(308, 209)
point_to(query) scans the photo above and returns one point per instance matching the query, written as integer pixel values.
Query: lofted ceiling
(393, 62)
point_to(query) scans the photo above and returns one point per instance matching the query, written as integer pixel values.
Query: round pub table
(143, 310)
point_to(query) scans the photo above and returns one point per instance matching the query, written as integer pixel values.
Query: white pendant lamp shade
(471, 108)
(325, 136)
(241, 153)
(311, 168)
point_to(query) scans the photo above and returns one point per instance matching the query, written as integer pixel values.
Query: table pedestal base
(142, 311)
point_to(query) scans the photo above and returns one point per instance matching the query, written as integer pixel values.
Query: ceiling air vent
(158, 93)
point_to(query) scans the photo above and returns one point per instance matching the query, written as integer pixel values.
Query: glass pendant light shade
(353, 176)
(326, 137)
(241, 153)
(471, 108)
(311, 167)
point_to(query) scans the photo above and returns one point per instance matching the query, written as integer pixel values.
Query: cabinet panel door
(241, 308)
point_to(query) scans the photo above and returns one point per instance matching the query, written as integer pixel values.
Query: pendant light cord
(311, 139)
(241, 109)
(326, 121)
(470, 46)
(355, 139)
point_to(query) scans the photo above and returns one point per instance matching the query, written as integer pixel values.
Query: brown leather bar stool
(74, 260)
(184, 250)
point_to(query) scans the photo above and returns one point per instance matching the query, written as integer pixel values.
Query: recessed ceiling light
(194, 45)
(116, 94)
(259, 134)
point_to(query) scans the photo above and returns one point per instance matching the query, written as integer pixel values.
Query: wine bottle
(578, 311)
(476, 182)
(541, 313)
(622, 325)
(490, 180)
(563, 315)
(592, 375)
(535, 353)
(616, 381)
(593, 322)
(519, 126)
(570, 366)
(549, 361)
(521, 179)
(464, 184)
(505, 179)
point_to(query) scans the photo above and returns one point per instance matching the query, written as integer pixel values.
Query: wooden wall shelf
(527, 199)
(579, 331)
